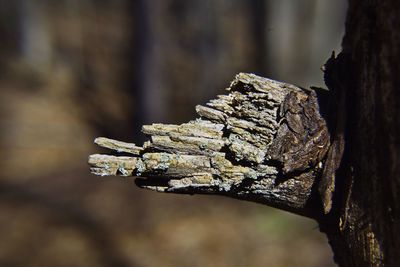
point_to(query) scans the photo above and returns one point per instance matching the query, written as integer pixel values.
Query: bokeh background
(72, 70)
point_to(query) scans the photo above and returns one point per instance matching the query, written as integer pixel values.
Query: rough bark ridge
(370, 173)
(265, 141)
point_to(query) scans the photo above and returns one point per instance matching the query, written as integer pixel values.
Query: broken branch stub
(264, 141)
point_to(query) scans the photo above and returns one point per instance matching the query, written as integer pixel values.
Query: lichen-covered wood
(264, 141)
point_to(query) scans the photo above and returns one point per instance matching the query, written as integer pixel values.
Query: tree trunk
(369, 229)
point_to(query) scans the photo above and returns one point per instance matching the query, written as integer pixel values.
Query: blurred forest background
(72, 70)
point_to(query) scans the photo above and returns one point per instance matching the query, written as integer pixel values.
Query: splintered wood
(230, 149)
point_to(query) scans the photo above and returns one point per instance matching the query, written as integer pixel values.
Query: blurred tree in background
(71, 70)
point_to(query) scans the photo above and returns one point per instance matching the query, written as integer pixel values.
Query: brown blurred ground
(74, 70)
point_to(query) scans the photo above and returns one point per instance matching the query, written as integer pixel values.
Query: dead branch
(264, 141)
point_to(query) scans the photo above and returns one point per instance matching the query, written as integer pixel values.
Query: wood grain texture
(264, 141)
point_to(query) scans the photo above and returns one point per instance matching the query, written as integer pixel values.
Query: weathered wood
(264, 141)
(118, 145)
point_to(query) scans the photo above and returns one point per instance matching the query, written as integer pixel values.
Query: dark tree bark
(266, 142)
(369, 229)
